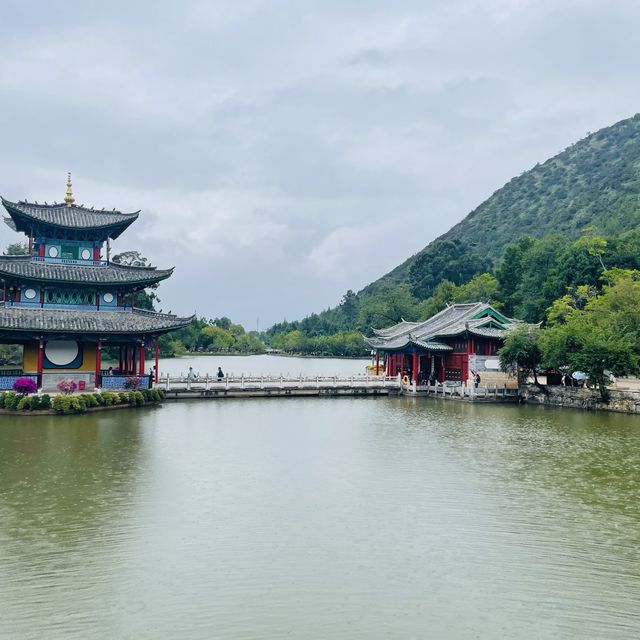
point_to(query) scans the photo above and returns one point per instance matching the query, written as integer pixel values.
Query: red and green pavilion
(65, 301)
(446, 347)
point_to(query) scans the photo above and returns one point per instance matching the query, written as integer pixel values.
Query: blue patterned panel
(117, 382)
(6, 382)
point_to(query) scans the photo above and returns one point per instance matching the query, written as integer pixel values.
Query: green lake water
(320, 518)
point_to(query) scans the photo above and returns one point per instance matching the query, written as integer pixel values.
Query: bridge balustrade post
(167, 382)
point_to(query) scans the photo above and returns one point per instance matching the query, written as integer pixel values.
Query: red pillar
(98, 364)
(120, 365)
(377, 362)
(444, 369)
(142, 359)
(415, 366)
(157, 357)
(40, 353)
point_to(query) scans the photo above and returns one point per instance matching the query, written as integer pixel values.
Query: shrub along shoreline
(65, 404)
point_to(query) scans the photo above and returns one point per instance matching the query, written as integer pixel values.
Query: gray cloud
(283, 152)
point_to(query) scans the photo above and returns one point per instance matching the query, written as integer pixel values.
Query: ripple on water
(386, 518)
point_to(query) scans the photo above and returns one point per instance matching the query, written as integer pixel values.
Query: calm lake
(320, 518)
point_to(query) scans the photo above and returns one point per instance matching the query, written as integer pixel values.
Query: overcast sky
(284, 151)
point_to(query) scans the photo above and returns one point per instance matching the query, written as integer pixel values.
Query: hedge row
(79, 403)
(21, 402)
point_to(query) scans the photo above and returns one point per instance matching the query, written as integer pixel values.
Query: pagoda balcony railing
(52, 305)
(86, 263)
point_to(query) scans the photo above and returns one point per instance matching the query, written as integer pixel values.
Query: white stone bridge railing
(456, 389)
(199, 383)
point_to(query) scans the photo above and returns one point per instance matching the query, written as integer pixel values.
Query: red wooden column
(141, 358)
(444, 369)
(157, 357)
(377, 362)
(416, 363)
(98, 364)
(40, 354)
(120, 367)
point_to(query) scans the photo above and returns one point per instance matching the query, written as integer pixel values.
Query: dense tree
(521, 352)
(393, 304)
(481, 288)
(350, 309)
(446, 260)
(17, 249)
(596, 333)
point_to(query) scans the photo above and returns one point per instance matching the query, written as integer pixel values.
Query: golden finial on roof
(69, 199)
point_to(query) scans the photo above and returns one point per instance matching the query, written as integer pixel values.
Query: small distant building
(447, 347)
(65, 301)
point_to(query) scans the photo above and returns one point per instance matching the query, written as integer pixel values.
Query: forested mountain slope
(594, 182)
(554, 227)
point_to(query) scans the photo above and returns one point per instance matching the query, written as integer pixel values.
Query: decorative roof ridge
(157, 314)
(89, 264)
(16, 258)
(131, 267)
(53, 205)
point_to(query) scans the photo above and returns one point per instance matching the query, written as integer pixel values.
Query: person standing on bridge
(220, 374)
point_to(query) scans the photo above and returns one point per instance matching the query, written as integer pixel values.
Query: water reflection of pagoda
(64, 301)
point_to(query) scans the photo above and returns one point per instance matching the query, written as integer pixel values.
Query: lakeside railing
(461, 390)
(207, 382)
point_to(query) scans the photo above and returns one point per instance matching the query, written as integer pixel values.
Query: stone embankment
(620, 400)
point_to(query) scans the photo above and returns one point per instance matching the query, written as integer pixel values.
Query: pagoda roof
(26, 268)
(478, 319)
(19, 320)
(28, 216)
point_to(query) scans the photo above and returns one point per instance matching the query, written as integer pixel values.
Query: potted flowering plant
(67, 386)
(132, 383)
(25, 386)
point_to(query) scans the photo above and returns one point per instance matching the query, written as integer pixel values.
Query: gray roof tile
(452, 321)
(88, 322)
(24, 267)
(74, 216)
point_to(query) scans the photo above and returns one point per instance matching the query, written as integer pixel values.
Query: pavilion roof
(478, 318)
(84, 322)
(400, 343)
(26, 268)
(26, 216)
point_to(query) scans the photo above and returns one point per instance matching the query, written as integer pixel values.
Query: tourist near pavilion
(447, 347)
(65, 301)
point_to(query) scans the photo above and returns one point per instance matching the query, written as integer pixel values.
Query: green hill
(593, 182)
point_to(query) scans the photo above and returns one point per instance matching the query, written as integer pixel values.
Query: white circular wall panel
(86, 254)
(61, 352)
(30, 294)
(53, 252)
(108, 298)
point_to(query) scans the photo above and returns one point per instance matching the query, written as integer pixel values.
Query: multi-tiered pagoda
(66, 300)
